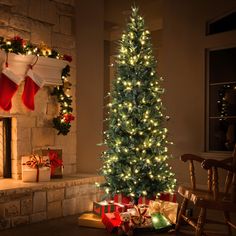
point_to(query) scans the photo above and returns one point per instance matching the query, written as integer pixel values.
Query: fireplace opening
(5, 148)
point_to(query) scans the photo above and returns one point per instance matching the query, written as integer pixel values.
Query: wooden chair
(212, 198)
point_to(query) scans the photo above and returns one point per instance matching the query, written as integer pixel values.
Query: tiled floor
(68, 226)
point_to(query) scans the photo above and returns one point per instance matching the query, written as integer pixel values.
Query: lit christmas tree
(135, 163)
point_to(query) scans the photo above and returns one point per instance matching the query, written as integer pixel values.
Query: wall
(51, 23)
(90, 37)
(182, 64)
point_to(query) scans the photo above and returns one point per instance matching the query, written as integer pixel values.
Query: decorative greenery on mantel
(20, 46)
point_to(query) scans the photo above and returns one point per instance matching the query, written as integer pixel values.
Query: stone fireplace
(50, 23)
(31, 131)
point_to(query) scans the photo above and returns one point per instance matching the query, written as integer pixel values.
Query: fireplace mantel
(47, 68)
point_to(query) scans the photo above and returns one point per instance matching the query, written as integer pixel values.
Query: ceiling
(117, 13)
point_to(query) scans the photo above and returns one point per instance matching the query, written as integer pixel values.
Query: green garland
(19, 46)
(62, 122)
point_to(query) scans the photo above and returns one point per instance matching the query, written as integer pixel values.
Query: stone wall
(50, 22)
(40, 202)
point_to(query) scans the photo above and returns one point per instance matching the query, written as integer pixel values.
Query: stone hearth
(25, 203)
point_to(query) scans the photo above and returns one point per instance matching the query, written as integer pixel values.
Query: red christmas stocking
(9, 83)
(32, 84)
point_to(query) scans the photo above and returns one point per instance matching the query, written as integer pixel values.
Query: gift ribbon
(140, 216)
(36, 162)
(54, 161)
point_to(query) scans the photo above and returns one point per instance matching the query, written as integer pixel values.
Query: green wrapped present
(159, 221)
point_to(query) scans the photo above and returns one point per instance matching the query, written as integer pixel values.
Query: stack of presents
(43, 165)
(122, 217)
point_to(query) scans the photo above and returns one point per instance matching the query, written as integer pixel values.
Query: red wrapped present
(170, 197)
(111, 221)
(119, 207)
(55, 157)
(145, 200)
(120, 198)
(100, 208)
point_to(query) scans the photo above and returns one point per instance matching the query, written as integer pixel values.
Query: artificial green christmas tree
(135, 163)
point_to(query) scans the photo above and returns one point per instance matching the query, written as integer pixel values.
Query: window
(223, 24)
(221, 100)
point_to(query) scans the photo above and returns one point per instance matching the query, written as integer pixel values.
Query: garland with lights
(62, 122)
(18, 45)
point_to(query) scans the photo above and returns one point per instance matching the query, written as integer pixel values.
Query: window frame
(207, 96)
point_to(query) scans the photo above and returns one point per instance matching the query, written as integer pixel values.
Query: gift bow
(37, 162)
(55, 161)
(168, 209)
(140, 216)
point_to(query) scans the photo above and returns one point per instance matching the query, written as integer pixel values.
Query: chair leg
(181, 212)
(227, 218)
(201, 222)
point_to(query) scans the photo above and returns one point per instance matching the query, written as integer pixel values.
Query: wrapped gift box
(55, 157)
(171, 197)
(119, 207)
(166, 208)
(120, 198)
(140, 216)
(91, 220)
(159, 221)
(145, 200)
(111, 221)
(100, 208)
(37, 174)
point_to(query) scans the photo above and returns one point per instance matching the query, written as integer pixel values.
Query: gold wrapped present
(91, 220)
(166, 208)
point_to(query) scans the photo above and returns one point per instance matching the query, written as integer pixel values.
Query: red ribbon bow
(55, 161)
(140, 217)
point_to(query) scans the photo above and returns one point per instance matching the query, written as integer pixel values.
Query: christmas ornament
(33, 83)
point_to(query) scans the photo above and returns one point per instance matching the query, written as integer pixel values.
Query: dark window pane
(224, 24)
(222, 65)
(222, 134)
(222, 100)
